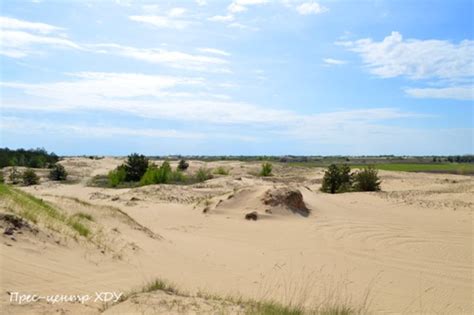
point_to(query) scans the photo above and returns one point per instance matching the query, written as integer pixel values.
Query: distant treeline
(35, 158)
(328, 159)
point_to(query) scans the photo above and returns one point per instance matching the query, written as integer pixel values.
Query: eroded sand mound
(289, 198)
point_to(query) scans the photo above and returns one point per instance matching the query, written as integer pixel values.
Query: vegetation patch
(36, 210)
(338, 179)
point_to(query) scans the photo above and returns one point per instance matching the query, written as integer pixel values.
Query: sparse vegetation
(248, 306)
(58, 173)
(221, 171)
(338, 178)
(367, 180)
(36, 210)
(29, 177)
(15, 176)
(183, 165)
(84, 216)
(203, 174)
(2, 179)
(266, 169)
(116, 176)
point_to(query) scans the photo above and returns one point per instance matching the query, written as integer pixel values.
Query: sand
(406, 249)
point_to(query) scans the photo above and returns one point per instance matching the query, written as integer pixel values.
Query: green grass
(84, 216)
(452, 168)
(35, 210)
(251, 307)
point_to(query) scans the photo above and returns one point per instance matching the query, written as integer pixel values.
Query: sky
(237, 77)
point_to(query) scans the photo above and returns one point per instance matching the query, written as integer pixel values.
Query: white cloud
(214, 51)
(160, 96)
(221, 18)
(161, 21)
(175, 12)
(415, 59)
(26, 126)
(201, 2)
(8, 23)
(463, 93)
(236, 8)
(331, 61)
(311, 7)
(20, 38)
(175, 59)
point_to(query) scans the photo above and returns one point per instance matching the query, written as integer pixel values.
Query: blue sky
(238, 77)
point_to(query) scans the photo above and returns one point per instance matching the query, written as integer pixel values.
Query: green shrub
(337, 179)
(15, 176)
(183, 165)
(135, 167)
(116, 176)
(367, 180)
(58, 172)
(178, 177)
(221, 171)
(158, 175)
(2, 179)
(203, 174)
(266, 169)
(29, 177)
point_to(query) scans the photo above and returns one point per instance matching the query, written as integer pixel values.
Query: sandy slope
(410, 246)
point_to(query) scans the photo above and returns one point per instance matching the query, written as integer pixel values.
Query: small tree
(135, 166)
(29, 177)
(58, 172)
(15, 176)
(367, 180)
(266, 169)
(331, 179)
(337, 178)
(183, 165)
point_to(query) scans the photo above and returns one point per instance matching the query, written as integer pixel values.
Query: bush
(158, 175)
(135, 167)
(116, 176)
(183, 165)
(2, 180)
(266, 169)
(58, 172)
(221, 171)
(203, 174)
(337, 179)
(367, 180)
(178, 177)
(29, 177)
(14, 176)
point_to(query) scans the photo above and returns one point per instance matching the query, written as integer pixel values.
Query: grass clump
(266, 169)
(221, 171)
(35, 210)
(79, 228)
(58, 173)
(84, 216)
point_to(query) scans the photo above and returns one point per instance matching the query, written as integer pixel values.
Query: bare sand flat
(406, 249)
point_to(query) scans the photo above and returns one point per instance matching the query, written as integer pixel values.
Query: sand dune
(408, 248)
